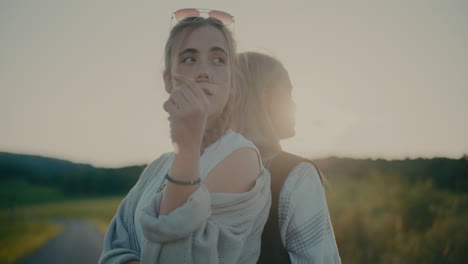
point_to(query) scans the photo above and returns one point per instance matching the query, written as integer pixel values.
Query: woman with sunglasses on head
(208, 200)
(298, 229)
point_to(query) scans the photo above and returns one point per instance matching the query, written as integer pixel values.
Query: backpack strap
(272, 248)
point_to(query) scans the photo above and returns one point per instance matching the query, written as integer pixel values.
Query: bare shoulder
(237, 173)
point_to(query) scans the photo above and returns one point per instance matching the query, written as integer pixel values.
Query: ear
(167, 81)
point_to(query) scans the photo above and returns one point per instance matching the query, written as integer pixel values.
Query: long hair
(258, 75)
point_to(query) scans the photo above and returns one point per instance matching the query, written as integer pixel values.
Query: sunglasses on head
(188, 15)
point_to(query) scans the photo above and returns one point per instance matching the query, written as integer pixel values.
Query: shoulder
(303, 173)
(303, 191)
(238, 168)
(303, 213)
(303, 196)
(233, 141)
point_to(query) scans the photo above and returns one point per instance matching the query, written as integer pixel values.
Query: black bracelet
(193, 182)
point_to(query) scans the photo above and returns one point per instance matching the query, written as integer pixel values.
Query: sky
(82, 80)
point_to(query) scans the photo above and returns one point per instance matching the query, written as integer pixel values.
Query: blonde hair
(257, 76)
(177, 35)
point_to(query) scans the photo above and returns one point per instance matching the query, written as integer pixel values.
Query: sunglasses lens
(182, 14)
(221, 17)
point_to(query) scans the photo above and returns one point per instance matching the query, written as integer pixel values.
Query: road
(80, 242)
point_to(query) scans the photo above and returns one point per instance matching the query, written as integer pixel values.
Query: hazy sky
(81, 80)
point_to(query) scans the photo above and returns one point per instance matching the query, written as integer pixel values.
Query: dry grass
(32, 228)
(22, 238)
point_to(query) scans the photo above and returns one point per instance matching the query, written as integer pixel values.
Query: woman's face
(283, 107)
(203, 55)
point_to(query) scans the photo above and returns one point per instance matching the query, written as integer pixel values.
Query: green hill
(46, 179)
(27, 179)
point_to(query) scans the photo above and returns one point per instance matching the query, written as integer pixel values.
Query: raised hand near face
(188, 112)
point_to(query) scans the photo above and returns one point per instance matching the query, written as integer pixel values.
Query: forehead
(203, 39)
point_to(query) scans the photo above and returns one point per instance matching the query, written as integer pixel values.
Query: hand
(188, 113)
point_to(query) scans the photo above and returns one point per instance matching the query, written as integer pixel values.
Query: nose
(203, 71)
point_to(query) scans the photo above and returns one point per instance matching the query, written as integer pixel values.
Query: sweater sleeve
(208, 228)
(120, 242)
(304, 219)
(118, 246)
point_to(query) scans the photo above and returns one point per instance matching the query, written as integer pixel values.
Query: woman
(298, 229)
(207, 201)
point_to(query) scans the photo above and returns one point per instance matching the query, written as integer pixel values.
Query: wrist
(187, 149)
(186, 164)
(182, 182)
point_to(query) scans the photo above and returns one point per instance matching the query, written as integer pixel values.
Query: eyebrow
(192, 50)
(219, 49)
(189, 50)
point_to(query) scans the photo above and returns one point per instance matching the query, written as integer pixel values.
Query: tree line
(84, 179)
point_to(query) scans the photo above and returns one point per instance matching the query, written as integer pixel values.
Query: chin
(287, 134)
(292, 134)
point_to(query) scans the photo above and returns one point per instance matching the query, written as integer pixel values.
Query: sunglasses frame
(201, 11)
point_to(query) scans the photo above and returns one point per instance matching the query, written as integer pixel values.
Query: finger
(191, 103)
(174, 103)
(188, 95)
(199, 102)
(185, 83)
(190, 83)
(170, 107)
(181, 80)
(179, 100)
(194, 87)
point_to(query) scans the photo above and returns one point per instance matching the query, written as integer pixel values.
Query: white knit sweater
(208, 228)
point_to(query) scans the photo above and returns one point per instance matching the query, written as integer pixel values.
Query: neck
(214, 131)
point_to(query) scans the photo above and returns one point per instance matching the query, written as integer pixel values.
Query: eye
(188, 60)
(219, 60)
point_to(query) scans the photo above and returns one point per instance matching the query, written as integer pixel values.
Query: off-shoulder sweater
(208, 228)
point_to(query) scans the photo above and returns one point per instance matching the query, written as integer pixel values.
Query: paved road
(79, 243)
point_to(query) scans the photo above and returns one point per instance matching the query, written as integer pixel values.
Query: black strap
(272, 249)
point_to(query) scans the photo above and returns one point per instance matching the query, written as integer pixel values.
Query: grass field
(377, 219)
(98, 210)
(32, 226)
(21, 192)
(384, 219)
(22, 238)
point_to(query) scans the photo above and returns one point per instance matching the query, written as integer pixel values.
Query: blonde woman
(208, 200)
(298, 229)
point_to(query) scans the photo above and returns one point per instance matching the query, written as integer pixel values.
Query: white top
(305, 226)
(211, 157)
(208, 228)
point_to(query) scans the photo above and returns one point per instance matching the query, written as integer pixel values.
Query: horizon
(464, 156)
(81, 81)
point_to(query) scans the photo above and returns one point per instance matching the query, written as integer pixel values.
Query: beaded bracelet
(192, 182)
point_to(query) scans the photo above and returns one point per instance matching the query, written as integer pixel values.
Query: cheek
(223, 78)
(282, 112)
(183, 69)
(220, 100)
(223, 95)
(221, 74)
(291, 110)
